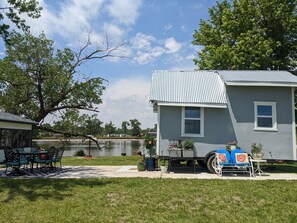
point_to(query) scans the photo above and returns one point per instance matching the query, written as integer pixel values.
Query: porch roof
(8, 117)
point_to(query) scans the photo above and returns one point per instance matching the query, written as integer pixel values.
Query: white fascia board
(214, 105)
(259, 84)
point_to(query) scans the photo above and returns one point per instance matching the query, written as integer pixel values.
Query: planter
(150, 164)
(232, 147)
(258, 156)
(188, 153)
(175, 152)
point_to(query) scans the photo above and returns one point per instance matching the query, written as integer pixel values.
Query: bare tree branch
(68, 134)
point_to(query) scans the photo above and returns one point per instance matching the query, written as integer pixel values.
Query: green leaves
(13, 12)
(36, 80)
(248, 34)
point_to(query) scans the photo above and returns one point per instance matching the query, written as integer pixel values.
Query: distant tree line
(91, 125)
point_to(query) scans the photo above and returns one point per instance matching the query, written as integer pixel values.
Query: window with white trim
(192, 121)
(265, 116)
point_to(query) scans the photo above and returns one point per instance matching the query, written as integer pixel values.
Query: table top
(258, 161)
(33, 153)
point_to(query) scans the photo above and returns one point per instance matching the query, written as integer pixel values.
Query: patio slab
(131, 171)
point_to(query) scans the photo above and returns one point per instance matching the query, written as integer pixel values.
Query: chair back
(11, 155)
(238, 156)
(51, 152)
(223, 156)
(59, 153)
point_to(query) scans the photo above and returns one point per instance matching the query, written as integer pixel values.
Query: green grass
(101, 161)
(147, 200)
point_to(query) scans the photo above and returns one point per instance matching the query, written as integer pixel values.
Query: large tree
(248, 34)
(36, 80)
(135, 127)
(12, 10)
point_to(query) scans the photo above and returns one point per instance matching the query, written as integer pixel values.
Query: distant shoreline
(75, 140)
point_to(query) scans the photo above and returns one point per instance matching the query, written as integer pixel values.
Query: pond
(110, 147)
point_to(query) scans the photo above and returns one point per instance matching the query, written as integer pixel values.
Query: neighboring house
(216, 107)
(14, 132)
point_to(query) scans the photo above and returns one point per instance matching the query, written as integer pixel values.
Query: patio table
(258, 167)
(32, 156)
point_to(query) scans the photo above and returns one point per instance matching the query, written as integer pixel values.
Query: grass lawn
(147, 200)
(101, 161)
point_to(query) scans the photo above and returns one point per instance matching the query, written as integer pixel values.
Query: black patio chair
(58, 156)
(14, 160)
(46, 160)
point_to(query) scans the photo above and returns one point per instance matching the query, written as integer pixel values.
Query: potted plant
(188, 148)
(256, 150)
(150, 159)
(232, 145)
(175, 149)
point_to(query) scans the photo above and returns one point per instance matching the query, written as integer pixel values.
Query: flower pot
(258, 156)
(175, 152)
(188, 153)
(232, 147)
(150, 164)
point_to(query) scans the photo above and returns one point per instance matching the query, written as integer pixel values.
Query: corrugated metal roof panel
(261, 76)
(205, 87)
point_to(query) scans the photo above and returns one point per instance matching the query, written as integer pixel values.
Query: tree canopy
(36, 80)
(248, 34)
(13, 10)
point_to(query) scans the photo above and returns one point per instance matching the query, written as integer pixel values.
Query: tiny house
(213, 108)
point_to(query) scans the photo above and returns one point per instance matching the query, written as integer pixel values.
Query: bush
(80, 153)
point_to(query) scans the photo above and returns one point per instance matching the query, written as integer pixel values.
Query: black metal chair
(14, 160)
(46, 159)
(58, 156)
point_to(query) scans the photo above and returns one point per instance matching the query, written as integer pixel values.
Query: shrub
(80, 153)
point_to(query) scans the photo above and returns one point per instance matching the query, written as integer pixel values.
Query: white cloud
(127, 99)
(142, 41)
(71, 20)
(172, 45)
(148, 48)
(125, 11)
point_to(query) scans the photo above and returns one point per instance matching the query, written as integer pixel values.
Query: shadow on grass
(46, 189)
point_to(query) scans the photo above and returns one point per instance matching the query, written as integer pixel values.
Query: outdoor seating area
(237, 161)
(30, 160)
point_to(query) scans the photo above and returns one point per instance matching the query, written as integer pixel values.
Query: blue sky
(158, 35)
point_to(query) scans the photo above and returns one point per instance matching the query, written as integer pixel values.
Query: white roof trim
(261, 84)
(214, 105)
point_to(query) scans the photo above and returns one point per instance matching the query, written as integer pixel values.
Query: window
(192, 121)
(265, 116)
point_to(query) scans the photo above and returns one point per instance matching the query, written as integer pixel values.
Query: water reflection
(110, 147)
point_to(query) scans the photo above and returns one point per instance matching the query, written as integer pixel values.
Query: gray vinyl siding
(217, 129)
(236, 122)
(276, 144)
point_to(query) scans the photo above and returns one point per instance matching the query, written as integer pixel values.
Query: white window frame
(201, 123)
(273, 116)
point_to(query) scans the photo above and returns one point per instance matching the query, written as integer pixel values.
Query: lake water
(110, 147)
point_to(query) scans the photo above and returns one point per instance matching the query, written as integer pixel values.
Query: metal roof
(258, 77)
(197, 87)
(4, 116)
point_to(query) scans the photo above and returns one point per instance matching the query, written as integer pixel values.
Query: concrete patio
(131, 171)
